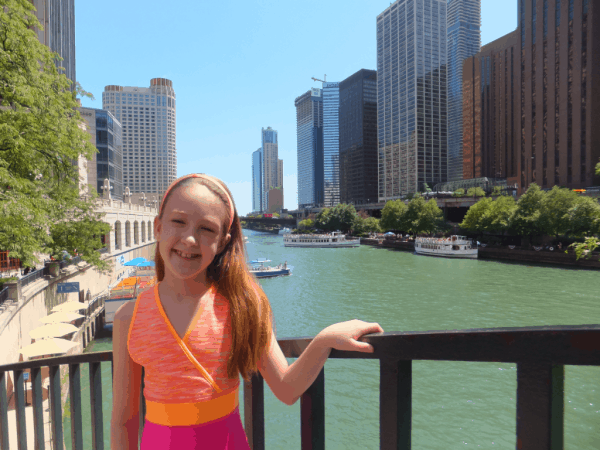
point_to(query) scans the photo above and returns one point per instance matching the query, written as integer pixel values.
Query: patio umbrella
(50, 346)
(62, 316)
(146, 264)
(135, 261)
(52, 330)
(71, 306)
(389, 233)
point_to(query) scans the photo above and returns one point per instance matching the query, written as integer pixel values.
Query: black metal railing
(33, 276)
(539, 352)
(3, 295)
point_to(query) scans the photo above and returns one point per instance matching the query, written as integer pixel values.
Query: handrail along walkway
(539, 352)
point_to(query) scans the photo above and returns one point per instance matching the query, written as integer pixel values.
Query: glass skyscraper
(257, 190)
(148, 119)
(331, 143)
(464, 41)
(411, 97)
(309, 131)
(270, 153)
(105, 132)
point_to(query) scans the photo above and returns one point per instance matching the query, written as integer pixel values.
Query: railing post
(395, 404)
(254, 412)
(19, 394)
(141, 409)
(38, 408)
(75, 400)
(96, 406)
(312, 415)
(540, 405)
(3, 413)
(54, 393)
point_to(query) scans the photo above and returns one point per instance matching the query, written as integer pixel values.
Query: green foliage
(40, 138)
(585, 249)
(475, 217)
(458, 193)
(426, 187)
(365, 225)
(306, 224)
(499, 214)
(6, 280)
(525, 220)
(340, 217)
(598, 169)
(496, 190)
(476, 192)
(276, 215)
(583, 217)
(421, 216)
(553, 210)
(391, 215)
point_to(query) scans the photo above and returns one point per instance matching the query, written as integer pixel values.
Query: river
(454, 403)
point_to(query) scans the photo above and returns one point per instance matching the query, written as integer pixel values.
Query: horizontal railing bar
(60, 360)
(560, 345)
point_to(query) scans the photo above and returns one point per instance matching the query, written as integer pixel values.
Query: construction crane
(322, 81)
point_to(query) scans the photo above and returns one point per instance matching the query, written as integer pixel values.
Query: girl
(205, 322)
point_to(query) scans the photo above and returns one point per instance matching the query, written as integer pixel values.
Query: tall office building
(257, 197)
(105, 135)
(331, 143)
(149, 132)
(464, 40)
(411, 103)
(280, 173)
(270, 158)
(309, 131)
(358, 137)
(535, 96)
(58, 19)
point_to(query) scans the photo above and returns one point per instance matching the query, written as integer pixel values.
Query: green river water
(455, 404)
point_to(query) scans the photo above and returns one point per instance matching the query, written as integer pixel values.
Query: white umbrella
(47, 347)
(62, 316)
(71, 306)
(52, 330)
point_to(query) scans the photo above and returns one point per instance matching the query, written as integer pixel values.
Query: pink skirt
(226, 433)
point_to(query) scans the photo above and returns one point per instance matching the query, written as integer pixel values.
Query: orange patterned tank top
(170, 377)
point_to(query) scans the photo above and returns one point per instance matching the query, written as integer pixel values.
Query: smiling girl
(205, 323)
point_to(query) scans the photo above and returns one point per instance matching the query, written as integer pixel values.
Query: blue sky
(236, 66)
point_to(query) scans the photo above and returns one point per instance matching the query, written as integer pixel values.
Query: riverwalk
(505, 253)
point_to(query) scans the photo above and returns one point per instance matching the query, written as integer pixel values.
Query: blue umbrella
(134, 262)
(389, 233)
(146, 264)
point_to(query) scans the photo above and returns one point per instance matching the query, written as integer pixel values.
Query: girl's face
(191, 231)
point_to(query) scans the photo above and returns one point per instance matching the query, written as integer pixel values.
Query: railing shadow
(539, 352)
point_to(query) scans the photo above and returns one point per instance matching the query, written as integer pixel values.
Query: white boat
(260, 270)
(333, 240)
(453, 247)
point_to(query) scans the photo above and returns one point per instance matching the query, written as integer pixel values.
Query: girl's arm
(127, 380)
(287, 382)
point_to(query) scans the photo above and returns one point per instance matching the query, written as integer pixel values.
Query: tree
(497, 217)
(496, 190)
(458, 193)
(40, 138)
(306, 224)
(553, 210)
(430, 218)
(525, 220)
(363, 226)
(475, 217)
(598, 169)
(476, 192)
(391, 215)
(583, 218)
(421, 217)
(340, 217)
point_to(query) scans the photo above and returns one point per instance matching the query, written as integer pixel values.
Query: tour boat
(260, 270)
(453, 247)
(334, 240)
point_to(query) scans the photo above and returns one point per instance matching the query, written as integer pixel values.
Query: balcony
(540, 354)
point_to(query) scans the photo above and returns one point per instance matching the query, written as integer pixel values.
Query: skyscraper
(411, 90)
(270, 153)
(105, 132)
(358, 137)
(257, 191)
(58, 19)
(309, 131)
(149, 146)
(464, 40)
(331, 143)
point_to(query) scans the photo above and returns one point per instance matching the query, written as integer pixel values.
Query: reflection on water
(454, 403)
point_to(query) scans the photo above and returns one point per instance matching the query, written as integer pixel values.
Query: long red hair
(249, 308)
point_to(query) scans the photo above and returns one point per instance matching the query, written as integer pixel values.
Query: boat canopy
(260, 260)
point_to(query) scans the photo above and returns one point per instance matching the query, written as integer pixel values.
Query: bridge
(271, 221)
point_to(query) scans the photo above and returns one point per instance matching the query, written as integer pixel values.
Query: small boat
(333, 240)
(259, 269)
(453, 247)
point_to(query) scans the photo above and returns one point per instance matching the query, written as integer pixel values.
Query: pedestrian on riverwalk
(205, 322)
